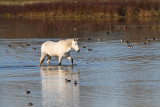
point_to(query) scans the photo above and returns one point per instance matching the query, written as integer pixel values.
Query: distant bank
(80, 9)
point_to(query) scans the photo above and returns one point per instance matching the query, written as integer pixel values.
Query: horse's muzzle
(78, 50)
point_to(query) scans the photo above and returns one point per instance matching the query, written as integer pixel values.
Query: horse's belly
(59, 54)
(53, 54)
(66, 54)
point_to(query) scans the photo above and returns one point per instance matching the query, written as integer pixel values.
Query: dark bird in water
(75, 83)
(89, 49)
(122, 40)
(30, 104)
(153, 39)
(27, 92)
(126, 42)
(9, 45)
(84, 46)
(89, 38)
(28, 44)
(67, 80)
(147, 41)
(145, 38)
(130, 46)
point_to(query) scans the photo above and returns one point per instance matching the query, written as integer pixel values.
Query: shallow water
(111, 75)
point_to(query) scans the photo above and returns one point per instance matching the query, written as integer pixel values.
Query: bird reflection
(55, 90)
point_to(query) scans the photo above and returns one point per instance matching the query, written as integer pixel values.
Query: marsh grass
(85, 9)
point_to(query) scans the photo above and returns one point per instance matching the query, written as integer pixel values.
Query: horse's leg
(48, 60)
(71, 59)
(42, 58)
(60, 60)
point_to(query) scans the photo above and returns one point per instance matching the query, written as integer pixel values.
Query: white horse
(59, 49)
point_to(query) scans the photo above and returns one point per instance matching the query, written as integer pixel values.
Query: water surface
(111, 75)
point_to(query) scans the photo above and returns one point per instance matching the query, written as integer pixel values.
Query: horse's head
(75, 44)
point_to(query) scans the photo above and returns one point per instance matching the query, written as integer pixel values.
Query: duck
(10, 45)
(89, 38)
(28, 44)
(75, 83)
(126, 42)
(99, 39)
(153, 39)
(147, 41)
(122, 40)
(67, 80)
(84, 46)
(33, 48)
(130, 46)
(124, 27)
(30, 104)
(145, 38)
(89, 50)
(27, 92)
(135, 43)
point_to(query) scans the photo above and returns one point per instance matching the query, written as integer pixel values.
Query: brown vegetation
(144, 8)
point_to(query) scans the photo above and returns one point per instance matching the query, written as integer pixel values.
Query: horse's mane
(66, 43)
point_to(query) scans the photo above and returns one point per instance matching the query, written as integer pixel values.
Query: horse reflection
(55, 90)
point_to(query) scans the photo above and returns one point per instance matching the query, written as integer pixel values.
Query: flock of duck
(146, 41)
(75, 82)
(28, 92)
(66, 80)
(125, 41)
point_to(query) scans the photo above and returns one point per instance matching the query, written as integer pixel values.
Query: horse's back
(50, 48)
(47, 45)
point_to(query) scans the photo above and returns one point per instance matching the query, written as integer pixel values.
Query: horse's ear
(76, 39)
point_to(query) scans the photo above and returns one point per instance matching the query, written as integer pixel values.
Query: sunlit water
(111, 75)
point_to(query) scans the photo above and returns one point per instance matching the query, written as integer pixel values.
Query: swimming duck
(126, 42)
(135, 43)
(84, 46)
(122, 40)
(30, 104)
(153, 39)
(99, 39)
(75, 83)
(27, 92)
(28, 44)
(67, 80)
(130, 46)
(10, 45)
(147, 41)
(89, 49)
(89, 38)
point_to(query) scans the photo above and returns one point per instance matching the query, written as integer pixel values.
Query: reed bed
(85, 9)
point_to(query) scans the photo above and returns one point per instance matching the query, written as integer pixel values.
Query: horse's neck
(67, 44)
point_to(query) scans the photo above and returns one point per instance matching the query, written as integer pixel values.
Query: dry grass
(110, 8)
